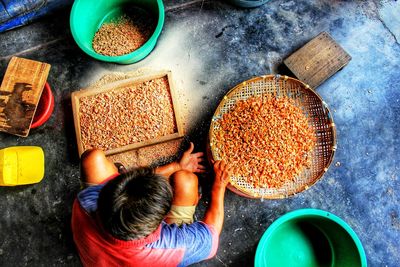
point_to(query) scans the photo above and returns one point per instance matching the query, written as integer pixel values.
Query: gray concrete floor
(211, 46)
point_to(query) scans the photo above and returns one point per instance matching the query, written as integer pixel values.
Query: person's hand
(192, 162)
(222, 173)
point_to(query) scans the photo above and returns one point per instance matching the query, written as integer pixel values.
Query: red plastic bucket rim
(48, 107)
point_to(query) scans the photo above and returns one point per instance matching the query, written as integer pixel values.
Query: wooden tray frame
(75, 97)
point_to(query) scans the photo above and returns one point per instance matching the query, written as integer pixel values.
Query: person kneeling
(145, 216)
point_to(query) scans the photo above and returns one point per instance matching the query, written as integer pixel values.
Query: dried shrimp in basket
(268, 140)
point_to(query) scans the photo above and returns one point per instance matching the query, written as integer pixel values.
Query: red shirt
(169, 245)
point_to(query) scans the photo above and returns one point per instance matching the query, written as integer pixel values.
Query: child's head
(132, 205)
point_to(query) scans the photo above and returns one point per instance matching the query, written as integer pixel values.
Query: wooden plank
(149, 156)
(115, 86)
(317, 60)
(20, 93)
(175, 104)
(75, 112)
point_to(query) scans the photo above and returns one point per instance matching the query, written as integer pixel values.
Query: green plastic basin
(87, 16)
(310, 237)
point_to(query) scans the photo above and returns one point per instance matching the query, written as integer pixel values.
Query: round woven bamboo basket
(313, 107)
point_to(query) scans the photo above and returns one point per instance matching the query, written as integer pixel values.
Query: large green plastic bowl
(310, 237)
(88, 15)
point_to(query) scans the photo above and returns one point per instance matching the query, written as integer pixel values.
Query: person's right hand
(215, 212)
(222, 173)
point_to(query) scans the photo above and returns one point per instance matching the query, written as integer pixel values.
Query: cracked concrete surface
(389, 16)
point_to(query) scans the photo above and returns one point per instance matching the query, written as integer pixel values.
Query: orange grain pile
(266, 139)
(124, 35)
(126, 116)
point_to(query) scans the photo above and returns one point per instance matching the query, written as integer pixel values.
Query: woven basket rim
(234, 187)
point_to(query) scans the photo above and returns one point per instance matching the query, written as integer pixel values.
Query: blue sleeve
(196, 239)
(88, 198)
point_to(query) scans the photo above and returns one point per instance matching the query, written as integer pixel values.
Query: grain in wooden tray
(266, 139)
(135, 113)
(129, 115)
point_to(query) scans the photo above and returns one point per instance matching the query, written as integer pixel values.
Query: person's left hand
(192, 162)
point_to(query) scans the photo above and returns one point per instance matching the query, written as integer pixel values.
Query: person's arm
(189, 162)
(168, 169)
(215, 213)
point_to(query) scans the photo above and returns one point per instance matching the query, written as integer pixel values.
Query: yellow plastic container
(21, 165)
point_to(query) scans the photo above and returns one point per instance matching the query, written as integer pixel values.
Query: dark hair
(132, 205)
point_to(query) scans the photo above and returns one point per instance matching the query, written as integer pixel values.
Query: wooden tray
(115, 86)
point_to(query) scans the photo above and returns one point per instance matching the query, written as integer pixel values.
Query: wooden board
(149, 156)
(20, 93)
(75, 98)
(318, 60)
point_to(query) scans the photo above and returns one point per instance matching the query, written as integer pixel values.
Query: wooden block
(318, 60)
(119, 85)
(20, 93)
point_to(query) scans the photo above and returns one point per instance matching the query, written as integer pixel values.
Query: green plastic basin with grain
(87, 16)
